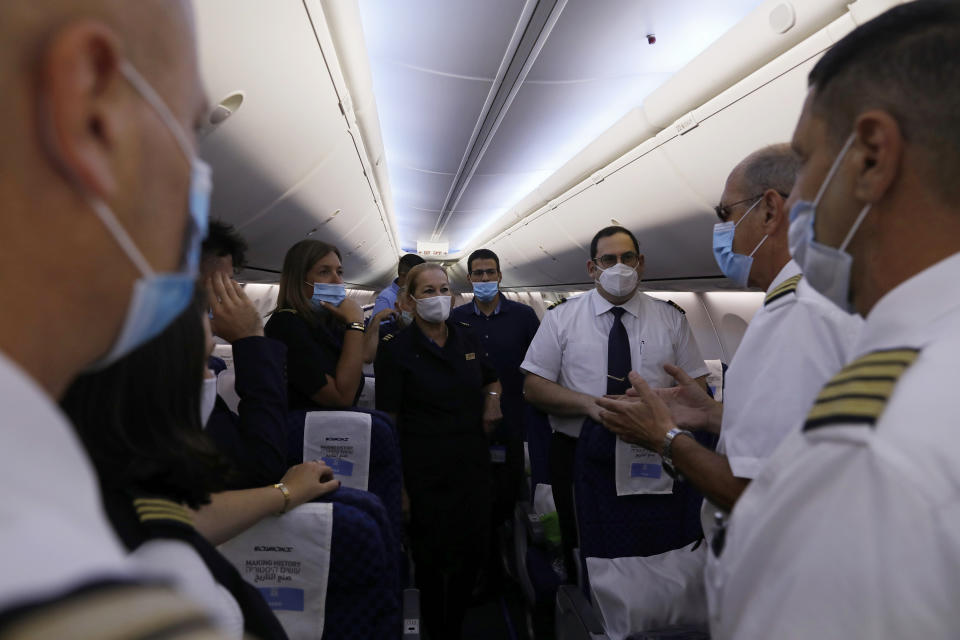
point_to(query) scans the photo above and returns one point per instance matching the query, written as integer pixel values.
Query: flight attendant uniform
(436, 393)
(571, 349)
(850, 530)
(312, 355)
(504, 337)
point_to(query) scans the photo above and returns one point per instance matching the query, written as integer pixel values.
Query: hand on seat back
(309, 480)
(234, 316)
(644, 420)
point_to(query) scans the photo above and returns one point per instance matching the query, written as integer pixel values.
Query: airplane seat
(536, 544)
(363, 449)
(321, 568)
(612, 526)
(368, 396)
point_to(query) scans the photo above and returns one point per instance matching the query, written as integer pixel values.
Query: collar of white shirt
(907, 315)
(55, 532)
(788, 271)
(601, 305)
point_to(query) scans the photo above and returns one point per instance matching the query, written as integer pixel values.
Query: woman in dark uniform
(432, 378)
(322, 328)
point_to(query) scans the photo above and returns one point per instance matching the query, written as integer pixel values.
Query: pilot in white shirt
(850, 530)
(575, 358)
(768, 388)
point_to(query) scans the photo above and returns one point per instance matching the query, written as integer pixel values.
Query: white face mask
(208, 398)
(435, 309)
(619, 280)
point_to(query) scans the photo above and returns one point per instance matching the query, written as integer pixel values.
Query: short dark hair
(223, 240)
(139, 418)
(905, 61)
(408, 262)
(606, 232)
(482, 254)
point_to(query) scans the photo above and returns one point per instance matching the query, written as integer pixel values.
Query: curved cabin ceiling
(480, 102)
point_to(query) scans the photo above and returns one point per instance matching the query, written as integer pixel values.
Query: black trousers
(563, 452)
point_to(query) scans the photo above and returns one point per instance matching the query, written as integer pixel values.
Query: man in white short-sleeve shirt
(850, 530)
(567, 362)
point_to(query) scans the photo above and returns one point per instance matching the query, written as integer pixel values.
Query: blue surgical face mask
(328, 292)
(158, 298)
(827, 269)
(735, 266)
(485, 291)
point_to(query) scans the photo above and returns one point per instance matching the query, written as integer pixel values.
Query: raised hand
(643, 419)
(690, 406)
(234, 316)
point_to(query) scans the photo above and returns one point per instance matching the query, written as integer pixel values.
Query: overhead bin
(663, 189)
(290, 157)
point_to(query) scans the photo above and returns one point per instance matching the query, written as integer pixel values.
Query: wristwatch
(357, 326)
(666, 450)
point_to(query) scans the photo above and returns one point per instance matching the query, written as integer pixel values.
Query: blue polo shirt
(386, 299)
(504, 336)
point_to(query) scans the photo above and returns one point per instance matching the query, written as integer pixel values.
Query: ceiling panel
(594, 67)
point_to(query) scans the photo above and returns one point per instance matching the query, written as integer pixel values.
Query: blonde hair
(414, 274)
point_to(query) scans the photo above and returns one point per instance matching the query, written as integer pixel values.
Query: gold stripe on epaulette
(786, 287)
(153, 509)
(114, 612)
(860, 392)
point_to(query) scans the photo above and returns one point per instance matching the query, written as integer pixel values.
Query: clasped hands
(644, 416)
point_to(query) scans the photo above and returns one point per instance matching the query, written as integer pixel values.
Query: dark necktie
(618, 355)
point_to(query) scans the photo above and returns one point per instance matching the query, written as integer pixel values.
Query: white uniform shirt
(570, 348)
(853, 530)
(53, 531)
(794, 344)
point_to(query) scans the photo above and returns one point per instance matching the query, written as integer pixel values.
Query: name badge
(471, 356)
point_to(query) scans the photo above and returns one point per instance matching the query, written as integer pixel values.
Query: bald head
(773, 167)
(76, 133)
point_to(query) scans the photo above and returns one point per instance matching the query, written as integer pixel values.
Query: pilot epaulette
(161, 510)
(463, 324)
(675, 306)
(388, 337)
(785, 288)
(859, 393)
(556, 304)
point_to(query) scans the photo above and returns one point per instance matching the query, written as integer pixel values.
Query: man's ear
(84, 104)
(591, 269)
(879, 148)
(774, 212)
(641, 261)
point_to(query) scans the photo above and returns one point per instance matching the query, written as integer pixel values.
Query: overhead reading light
(226, 108)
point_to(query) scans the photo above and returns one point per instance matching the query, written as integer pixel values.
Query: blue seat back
(612, 526)
(364, 598)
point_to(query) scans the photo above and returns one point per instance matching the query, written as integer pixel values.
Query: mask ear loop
(856, 225)
(833, 169)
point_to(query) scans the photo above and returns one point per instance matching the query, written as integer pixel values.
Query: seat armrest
(411, 614)
(576, 619)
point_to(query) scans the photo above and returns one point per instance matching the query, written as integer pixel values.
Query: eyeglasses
(723, 210)
(479, 273)
(607, 260)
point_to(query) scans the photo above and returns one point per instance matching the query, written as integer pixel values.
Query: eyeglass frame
(479, 273)
(720, 208)
(619, 258)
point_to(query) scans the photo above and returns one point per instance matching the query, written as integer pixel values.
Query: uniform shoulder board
(785, 288)
(161, 510)
(287, 310)
(388, 337)
(675, 306)
(464, 324)
(860, 392)
(557, 303)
